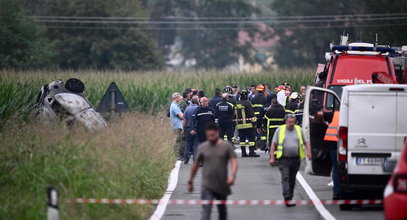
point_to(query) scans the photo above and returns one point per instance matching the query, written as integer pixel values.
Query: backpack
(168, 111)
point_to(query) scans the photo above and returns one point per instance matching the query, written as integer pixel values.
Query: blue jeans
(191, 145)
(335, 177)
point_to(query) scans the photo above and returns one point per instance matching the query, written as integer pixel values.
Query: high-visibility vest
(331, 133)
(281, 137)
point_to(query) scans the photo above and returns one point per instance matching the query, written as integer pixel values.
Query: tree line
(140, 34)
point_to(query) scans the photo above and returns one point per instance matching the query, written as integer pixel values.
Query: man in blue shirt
(176, 117)
(187, 124)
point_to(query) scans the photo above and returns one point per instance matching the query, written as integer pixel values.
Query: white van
(372, 130)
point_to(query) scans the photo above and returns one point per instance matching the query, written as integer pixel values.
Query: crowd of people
(250, 114)
(257, 117)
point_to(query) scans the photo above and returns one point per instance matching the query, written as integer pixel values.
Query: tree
(101, 45)
(304, 44)
(21, 42)
(211, 45)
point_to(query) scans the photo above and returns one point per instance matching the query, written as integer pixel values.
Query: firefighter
(225, 113)
(292, 106)
(245, 120)
(273, 119)
(259, 103)
(231, 97)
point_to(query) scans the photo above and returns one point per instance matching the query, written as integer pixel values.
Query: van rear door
(371, 129)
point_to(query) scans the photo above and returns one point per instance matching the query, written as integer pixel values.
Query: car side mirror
(389, 166)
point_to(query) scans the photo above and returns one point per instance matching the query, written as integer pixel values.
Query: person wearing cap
(245, 120)
(259, 103)
(292, 106)
(176, 117)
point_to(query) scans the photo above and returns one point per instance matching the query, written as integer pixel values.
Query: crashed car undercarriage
(64, 103)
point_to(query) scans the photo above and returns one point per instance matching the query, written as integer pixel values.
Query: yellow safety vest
(281, 137)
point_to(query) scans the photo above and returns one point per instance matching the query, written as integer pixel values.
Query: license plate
(370, 160)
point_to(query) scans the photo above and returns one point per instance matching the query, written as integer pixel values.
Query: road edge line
(311, 194)
(172, 184)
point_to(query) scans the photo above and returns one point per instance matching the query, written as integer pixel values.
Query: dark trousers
(201, 135)
(271, 132)
(289, 168)
(191, 145)
(247, 134)
(335, 177)
(207, 194)
(228, 130)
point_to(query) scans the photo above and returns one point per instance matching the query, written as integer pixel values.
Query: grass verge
(130, 159)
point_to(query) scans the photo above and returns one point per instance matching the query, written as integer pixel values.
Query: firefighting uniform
(245, 120)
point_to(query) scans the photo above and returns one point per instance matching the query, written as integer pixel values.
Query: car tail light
(343, 143)
(400, 183)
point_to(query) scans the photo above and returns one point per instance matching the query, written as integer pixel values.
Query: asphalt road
(256, 180)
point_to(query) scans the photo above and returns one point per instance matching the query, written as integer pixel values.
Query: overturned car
(60, 102)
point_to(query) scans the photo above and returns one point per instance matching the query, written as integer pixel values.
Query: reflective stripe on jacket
(281, 137)
(333, 127)
(244, 115)
(273, 123)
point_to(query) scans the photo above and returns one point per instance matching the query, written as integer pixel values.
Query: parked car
(395, 194)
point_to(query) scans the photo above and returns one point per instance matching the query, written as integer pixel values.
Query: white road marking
(172, 184)
(317, 203)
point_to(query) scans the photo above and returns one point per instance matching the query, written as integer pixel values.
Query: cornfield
(127, 159)
(144, 91)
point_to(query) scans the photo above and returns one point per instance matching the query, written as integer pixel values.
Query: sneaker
(253, 155)
(289, 203)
